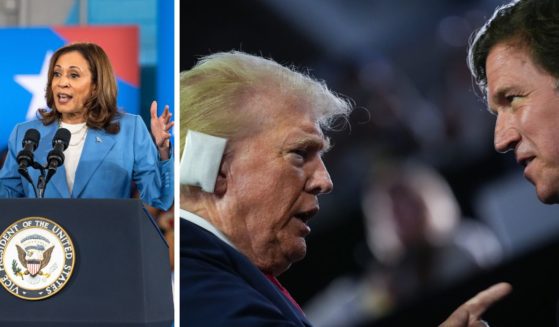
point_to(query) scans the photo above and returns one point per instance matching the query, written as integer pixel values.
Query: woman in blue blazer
(107, 151)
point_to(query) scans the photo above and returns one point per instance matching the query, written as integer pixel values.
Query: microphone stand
(41, 183)
(23, 171)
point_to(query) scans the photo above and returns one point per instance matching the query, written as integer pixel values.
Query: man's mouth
(306, 215)
(524, 162)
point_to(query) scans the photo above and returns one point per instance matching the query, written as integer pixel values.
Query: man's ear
(222, 177)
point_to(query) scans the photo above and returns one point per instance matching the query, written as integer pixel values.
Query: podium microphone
(29, 144)
(25, 156)
(55, 158)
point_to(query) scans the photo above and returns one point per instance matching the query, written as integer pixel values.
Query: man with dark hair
(514, 59)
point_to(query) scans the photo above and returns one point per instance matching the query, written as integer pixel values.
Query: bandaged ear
(201, 158)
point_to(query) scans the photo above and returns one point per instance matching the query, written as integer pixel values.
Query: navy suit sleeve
(153, 177)
(10, 179)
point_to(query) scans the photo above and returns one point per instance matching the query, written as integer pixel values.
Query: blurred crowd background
(154, 21)
(424, 212)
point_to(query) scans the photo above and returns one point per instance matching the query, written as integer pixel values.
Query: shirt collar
(203, 223)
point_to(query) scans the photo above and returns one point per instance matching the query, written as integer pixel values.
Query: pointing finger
(484, 299)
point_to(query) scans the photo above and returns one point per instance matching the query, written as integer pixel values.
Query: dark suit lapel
(97, 146)
(292, 308)
(273, 293)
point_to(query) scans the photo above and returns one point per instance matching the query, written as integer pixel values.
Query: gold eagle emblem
(34, 260)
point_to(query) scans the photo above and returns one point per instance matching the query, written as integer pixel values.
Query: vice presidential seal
(36, 258)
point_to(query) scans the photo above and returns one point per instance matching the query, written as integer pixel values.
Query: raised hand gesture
(160, 127)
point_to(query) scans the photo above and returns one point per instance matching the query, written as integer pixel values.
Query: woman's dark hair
(100, 108)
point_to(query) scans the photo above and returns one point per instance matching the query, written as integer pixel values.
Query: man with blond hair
(251, 171)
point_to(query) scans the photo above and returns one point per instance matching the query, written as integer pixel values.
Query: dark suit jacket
(220, 287)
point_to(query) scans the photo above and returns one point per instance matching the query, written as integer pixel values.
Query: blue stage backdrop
(24, 67)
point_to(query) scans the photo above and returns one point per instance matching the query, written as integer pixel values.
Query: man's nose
(507, 135)
(320, 181)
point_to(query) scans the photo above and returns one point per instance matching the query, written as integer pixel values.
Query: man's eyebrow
(497, 98)
(320, 144)
(502, 92)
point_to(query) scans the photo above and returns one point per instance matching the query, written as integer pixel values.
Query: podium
(121, 274)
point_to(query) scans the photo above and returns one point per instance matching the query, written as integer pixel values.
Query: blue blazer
(108, 165)
(220, 287)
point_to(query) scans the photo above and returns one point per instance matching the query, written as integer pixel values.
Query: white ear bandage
(201, 159)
